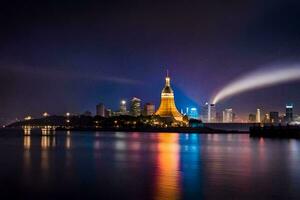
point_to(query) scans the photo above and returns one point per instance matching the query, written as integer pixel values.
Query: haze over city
(83, 53)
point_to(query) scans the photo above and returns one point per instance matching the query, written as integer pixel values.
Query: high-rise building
(274, 117)
(289, 113)
(212, 113)
(123, 107)
(193, 113)
(228, 115)
(204, 112)
(219, 117)
(135, 107)
(149, 109)
(258, 118)
(108, 113)
(266, 118)
(252, 118)
(100, 110)
(167, 106)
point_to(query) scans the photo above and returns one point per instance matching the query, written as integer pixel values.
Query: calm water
(98, 165)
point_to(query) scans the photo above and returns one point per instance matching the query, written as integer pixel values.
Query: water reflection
(27, 130)
(26, 142)
(158, 165)
(68, 142)
(168, 174)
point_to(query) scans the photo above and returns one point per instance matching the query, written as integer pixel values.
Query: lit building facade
(167, 106)
(100, 110)
(193, 113)
(204, 112)
(135, 107)
(252, 118)
(212, 113)
(274, 117)
(149, 109)
(289, 113)
(123, 107)
(228, 115)
(258, 118)
(266, 118)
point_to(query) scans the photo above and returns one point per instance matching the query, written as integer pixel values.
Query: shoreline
(199, 130)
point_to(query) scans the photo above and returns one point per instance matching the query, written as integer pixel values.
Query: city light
(28, 117)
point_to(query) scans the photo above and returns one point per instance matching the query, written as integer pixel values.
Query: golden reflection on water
(45, 142)
(168, 175)
(26, 142)
(27, 130)
(68, 142)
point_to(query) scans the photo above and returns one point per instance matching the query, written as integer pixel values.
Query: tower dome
(167, 106)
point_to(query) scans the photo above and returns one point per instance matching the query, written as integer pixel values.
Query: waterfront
(98, 165)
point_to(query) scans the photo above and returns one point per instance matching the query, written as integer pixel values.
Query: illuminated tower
(212, 113)
(167, 106)
(289, 113)
(258, 120)
(123, 107)
(135, 107)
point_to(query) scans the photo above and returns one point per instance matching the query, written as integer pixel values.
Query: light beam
(259, 79)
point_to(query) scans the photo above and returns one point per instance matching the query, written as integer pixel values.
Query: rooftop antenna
(167, 73)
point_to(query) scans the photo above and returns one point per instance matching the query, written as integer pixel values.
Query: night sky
(60, 56)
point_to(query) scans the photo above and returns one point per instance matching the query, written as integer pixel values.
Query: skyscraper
(228, 115)
(252, 118)
(266, 118)
(219, 117)
(149, 109)
(123, 107)
(167, 106)
(135, 107)
(289, 113)
(274, 117)
(204, 112)
(212, 113)
(100, 110)
(258, 119)
(193, 113)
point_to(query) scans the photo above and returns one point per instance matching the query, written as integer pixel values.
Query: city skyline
(70, 54)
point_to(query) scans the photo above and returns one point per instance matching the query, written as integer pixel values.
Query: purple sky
(60, 56)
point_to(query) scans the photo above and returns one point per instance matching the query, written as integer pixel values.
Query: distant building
(266, 118)
(289, 113)
(258, 117)
(100, 110)
(252, 118)
(108, 113)
(212, 113)
(123, 108)
(149, 109)
(135, 107)
(274, 117)
(193, 113)
(204, 112)
(87, 113)
(228, 115)
(219, 118)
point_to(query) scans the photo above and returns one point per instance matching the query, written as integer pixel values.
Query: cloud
(54, 73)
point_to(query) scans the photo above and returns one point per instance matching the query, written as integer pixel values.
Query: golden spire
(167, 106)
(167, 79)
